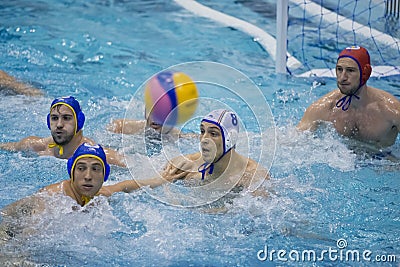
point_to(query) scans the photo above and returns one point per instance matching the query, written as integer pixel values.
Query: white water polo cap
(228, 123)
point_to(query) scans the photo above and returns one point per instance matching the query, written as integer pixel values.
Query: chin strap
(345, 101)
(60, 147)
(85, 200)
(204, 167)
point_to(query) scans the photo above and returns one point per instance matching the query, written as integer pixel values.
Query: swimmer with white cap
(355, 109)
(65, 122)
(217, 158)
(218, 125)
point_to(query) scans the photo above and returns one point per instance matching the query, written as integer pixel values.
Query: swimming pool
(101, 52)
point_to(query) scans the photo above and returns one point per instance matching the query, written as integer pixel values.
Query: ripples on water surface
(101, 52)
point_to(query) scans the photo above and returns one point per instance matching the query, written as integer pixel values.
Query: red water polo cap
(361, 56)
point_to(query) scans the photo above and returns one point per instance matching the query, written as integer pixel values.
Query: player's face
(160, 128)
(88, 176)
(152, 124)
(210, 142)
(347, 75)
(62, 124)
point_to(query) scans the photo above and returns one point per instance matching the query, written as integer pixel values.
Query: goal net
(321, 28)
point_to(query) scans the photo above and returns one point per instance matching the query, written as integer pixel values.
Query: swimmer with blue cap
(88, 170)
(65, 121)
(217, 158)
(355, 109)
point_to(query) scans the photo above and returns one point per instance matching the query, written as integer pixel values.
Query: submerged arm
(114, 158)
(128, 186)
(170, 174)
(32, 142)
(9, 83)
(24, 207)
(126, 126)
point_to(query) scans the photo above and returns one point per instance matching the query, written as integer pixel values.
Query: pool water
(101, 52)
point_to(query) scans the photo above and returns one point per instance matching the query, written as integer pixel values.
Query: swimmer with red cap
(355, 109)
(65, 121)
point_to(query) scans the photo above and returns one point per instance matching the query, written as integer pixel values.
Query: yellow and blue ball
(171, 98)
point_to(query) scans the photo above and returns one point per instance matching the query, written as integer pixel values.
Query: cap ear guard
(80, 121)
(48, 121)
(227, 121)
(107, 172)
(70, 162)
(231, 139)
(366, 73)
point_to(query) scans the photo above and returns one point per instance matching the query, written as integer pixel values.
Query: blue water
(102, 51)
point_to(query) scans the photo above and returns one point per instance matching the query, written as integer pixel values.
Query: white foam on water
(296, 148)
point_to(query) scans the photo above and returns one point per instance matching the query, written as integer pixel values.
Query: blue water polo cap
(88, 151)
(228, 123)
(73, 104)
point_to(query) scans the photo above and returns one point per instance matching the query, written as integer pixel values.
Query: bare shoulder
(386, 102)
(254, 175)
(388, 98)
(54, 188)
(318, 111)
(326, 102)
(255, 167)
(40, 144)
(114, 157)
